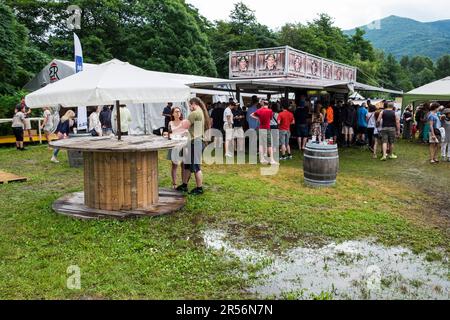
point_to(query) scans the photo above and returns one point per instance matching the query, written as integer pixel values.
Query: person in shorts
(264, 115)
(238, 130)
(196, 124)
(301, 125)
(47, 124)
(285, 120)
(435, 136)
(348, 122)
(228, 122)
(390, 130)
(18, 124)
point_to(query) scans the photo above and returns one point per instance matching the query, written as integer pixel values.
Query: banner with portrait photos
(286, 62)
(258, 64)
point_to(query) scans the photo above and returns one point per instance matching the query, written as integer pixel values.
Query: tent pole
(119, 131)
(145, 120)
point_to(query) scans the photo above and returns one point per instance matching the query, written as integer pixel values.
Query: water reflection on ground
(349, 270)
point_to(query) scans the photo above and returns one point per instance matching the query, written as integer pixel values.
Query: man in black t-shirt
(217, 119)
(238, 131)
(167, 114)
(301, 115)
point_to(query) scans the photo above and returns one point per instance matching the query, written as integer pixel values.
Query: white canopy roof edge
(109, 82)
(437, 90)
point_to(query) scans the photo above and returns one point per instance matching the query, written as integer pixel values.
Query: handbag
(437, 132)
(275, 126)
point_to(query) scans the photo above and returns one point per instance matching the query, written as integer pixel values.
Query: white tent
(434, 91)
(109, 82)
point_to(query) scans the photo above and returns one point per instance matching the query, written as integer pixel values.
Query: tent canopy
(438, 90)
(54, 71)
(275, 85)
(107, 83)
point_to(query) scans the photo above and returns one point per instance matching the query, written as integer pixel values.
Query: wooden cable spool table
(120, 178)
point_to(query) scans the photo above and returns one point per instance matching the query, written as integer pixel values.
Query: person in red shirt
(264, 115)
(285, 120)
(330, 132)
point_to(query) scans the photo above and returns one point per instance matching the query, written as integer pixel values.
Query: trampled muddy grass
(166, 258)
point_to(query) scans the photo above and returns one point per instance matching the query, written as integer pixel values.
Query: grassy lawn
(404, 202)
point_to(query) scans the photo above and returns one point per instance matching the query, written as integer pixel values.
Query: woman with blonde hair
(63, 130)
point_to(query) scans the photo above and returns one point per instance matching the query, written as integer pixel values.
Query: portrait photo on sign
(314, 67)
(339, 73)
(271, 61)
(243, 63)
(327, 70)
(296, 63)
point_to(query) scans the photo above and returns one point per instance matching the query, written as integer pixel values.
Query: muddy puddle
(349, 270)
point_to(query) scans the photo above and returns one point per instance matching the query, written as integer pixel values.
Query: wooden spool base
(72, 205)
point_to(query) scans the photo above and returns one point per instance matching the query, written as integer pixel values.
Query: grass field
(398, 203)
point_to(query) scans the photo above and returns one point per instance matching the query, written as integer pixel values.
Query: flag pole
(119, 129)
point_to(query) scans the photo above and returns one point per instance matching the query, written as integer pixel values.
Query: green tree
(240, 33)
(443, 67)
(361, 46)
(163, 35)
(18, 60)
(12, 36)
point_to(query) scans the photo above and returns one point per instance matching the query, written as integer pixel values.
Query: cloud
(346, 13)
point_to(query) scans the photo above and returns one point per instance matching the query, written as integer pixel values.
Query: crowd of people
(432, 124)
(346, 124)
(99, 124)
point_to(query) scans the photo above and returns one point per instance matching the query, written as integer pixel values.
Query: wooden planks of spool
(120, 178)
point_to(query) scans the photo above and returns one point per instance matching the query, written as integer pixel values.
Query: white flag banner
(82, 119)
(82, 112)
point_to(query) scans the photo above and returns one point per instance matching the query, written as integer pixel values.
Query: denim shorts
(285, 136)
(192, 156)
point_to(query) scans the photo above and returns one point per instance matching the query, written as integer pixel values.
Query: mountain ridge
(403, 36)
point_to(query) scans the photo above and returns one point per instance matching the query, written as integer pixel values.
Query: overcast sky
(347, 13)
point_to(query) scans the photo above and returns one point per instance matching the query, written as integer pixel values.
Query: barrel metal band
(320, 182)
(322, 150)
(321, 158)
(319, 174)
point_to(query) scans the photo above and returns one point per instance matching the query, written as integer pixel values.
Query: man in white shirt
(228, 128)
(125, 119)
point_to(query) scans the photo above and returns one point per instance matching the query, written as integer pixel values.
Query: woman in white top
(377, 133)
(95, 126)
(176, 129)
(371, 125)
(47, 124)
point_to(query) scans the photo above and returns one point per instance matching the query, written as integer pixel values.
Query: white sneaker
(228, 155)
(54, 160)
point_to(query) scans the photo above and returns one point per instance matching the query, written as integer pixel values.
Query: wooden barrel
(75, 158)
(320, 165)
